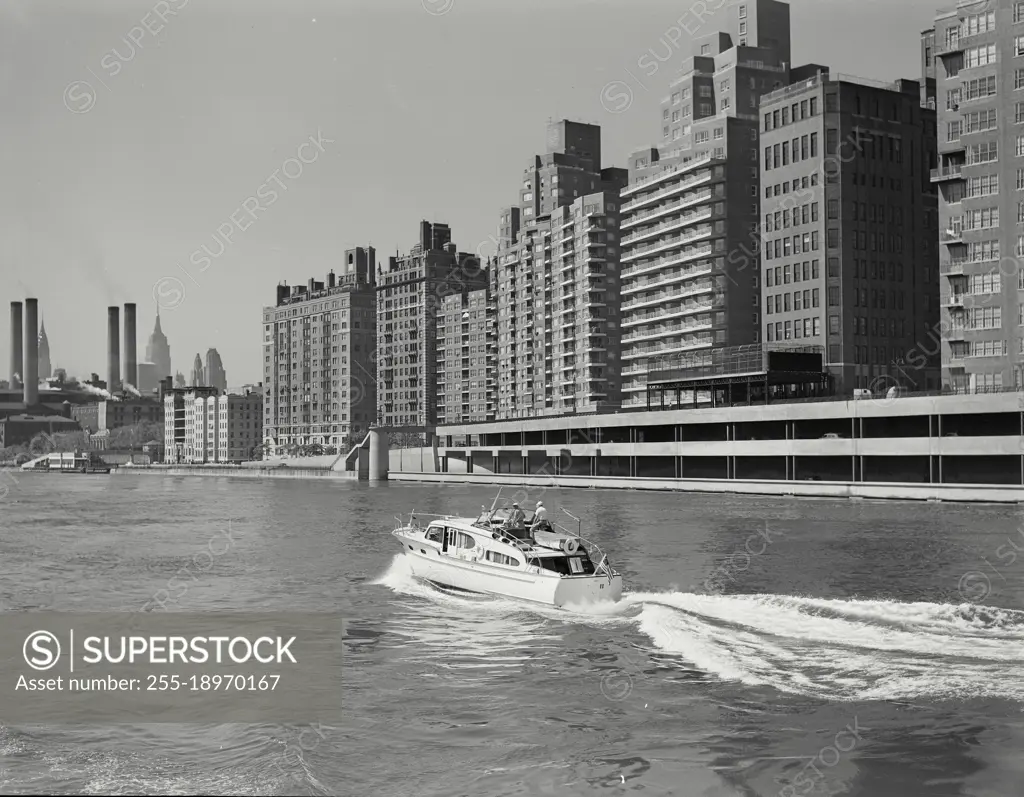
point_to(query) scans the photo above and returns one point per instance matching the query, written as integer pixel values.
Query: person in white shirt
(540, 518)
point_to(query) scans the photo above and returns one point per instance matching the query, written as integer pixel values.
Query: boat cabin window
(502, 559)
(434, 533)
(462, 540)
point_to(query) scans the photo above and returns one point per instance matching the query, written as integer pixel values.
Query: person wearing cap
(516, 518)
(540, 518)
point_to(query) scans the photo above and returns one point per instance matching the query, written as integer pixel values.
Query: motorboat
(484, 555)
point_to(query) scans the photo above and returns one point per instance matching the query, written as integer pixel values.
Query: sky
(135, 133)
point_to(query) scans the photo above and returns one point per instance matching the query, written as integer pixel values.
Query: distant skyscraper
(179, 379)
(198, 376)
(214, 372)
(158, 351)
(44, 353)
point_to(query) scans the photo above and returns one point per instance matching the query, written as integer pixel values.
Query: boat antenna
(495, 502)
(579, 523)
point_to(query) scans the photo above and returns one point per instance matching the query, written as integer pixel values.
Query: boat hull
(429, 564)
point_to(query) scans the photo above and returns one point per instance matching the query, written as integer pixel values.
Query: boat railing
(594, 551)
(414, 523)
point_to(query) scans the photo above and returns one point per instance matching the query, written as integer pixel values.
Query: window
(1018, 45)
(1018, 13)
(743, 28)
(979, 88)
(986, 54)
(743, 12)
(982, 153)
(979, 121)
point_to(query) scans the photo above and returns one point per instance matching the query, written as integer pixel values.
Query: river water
(764, 646)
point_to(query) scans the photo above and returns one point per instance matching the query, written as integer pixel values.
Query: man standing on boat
(516, 518)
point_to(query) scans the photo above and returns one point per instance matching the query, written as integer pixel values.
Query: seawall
(959, 493)
(895, 491)
(236, 472)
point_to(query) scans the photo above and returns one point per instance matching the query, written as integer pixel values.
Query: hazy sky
(422, 109)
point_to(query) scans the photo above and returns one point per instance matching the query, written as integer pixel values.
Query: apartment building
(410, 301)
(239, 425)
(556, 282)
(977, 57)
(184, 409)
(850, 229)
(467, 348)
(319, 344)
(690, 279)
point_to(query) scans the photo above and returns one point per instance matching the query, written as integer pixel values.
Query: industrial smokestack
(17, 369)
(113, 350)
(31, 376)
(131, 368)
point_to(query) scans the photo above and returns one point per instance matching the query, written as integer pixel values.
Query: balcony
(952, 268)
(954, 236)
(681, 221)
(654, 179)
(658, 265)
(664, 330)
(954, 300)
(661, 298)
(953, 172)
(646, 250)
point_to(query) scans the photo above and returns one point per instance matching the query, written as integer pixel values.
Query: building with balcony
(980, 176)
(467, 349)
(849, 250)
(690, 276)
(557, 285)
(319, 346)
(411, 296)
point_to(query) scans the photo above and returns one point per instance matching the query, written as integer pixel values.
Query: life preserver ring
(570, 545)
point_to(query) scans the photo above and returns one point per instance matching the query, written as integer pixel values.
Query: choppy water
(764, 647)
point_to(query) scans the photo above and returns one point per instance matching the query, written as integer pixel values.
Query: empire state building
(158, 351)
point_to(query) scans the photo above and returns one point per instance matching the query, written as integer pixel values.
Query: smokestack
(17, 369)
(131, 366)
(113, 350)
(31, 376)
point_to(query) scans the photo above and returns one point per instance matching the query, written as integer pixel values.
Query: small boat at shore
(483, 555)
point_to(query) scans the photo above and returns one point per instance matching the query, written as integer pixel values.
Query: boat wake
(842, 649)
(831, 649)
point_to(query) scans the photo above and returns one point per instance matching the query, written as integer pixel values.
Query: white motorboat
(480, 555)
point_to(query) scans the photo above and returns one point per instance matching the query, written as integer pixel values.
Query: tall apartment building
(318, 357)
(557, 282)
(467, 348)
(410, 301)
(850, 229)
(979, 77)
(690, 280)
